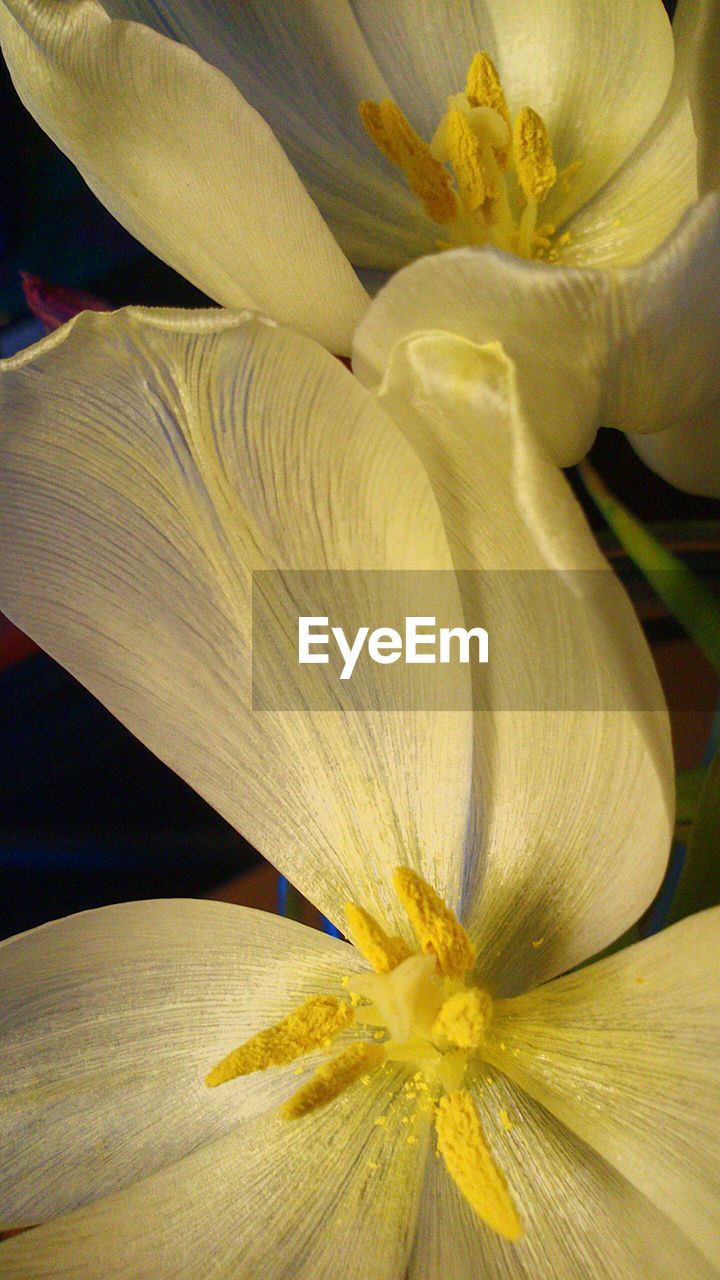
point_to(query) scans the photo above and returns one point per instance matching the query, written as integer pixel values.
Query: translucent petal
(625, 1053)
(573, 769)
(305, 68)
(582, 1220)
(150, 461)
(696, 26)
(332, 1195)
(687, 454)
(182, 160)
(112, 1018)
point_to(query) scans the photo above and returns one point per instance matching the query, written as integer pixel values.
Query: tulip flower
(197, 1088)
(261, 149)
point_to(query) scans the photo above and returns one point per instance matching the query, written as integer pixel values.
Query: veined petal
(112, 1019)
(625, 1053)
(181, 159)
(596, 72)
(305, 67)
(687, 454)
(150, 461)
(334, 1194)
(581, 1219)
(573, 768)
(632, 348)
(696, 27)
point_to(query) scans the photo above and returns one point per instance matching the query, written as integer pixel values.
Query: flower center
(482, 177)
(421, 1012)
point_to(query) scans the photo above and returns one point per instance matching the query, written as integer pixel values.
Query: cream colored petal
(687, 454)
(182, 160)
(305, 67)
(150, 461)
(626, 1054)
(696, 27)
(112, 1019)
(597, 72)
(332, 1195)
(552, 322)
(581, 1219)
(573, 769)
(633, 348)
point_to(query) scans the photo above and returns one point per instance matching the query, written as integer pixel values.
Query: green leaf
(699, 884)
(687, 598)
(688, 787)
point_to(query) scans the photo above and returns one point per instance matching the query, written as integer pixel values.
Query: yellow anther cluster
(436, 927)
(466, 156)
(380, 950)
(462, 1145)
(393, 134)
(464, 1018)
(314, 1024)
(483, 87)
(464, 176)
(533, 156)
(333, 1077)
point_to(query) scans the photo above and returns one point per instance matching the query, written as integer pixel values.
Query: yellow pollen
(462, 1144)
(436, 927)
(380, 950)
(533, 156)
(483, 88)
(464, 1018)
(313, 1025)
(465, 153)
(393, 134)
(333, 1078)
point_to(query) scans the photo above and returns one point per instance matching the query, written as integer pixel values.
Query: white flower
(622, 332)
(149, 461)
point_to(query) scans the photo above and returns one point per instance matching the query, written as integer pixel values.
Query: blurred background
(87, 815)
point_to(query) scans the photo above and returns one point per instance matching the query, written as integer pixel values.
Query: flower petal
(625, 1053)
(632, 349)
(581, 1219)
(333, 1194)
(111, 1020)
(696, 26)
(687, 454)
(573, 768)
(177, 155)
(596, 72)
(306, 68)
(150, 461)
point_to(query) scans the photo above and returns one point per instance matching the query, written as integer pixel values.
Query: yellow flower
(149, 462)
(556, 133)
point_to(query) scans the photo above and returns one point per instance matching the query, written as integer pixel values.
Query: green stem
(687, 598)
(699, 884)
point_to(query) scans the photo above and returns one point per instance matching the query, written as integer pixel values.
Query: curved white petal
(573, 768)
(111, 1021)
(696, 26)
(632, 348)
(581, 1219)
(149, 462)
(626, 1054)
(687, 454)
(181, 159)
(305, 68)
(596, 72)
(332, 1195)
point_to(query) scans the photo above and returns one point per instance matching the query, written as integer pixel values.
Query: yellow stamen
(483, 88)
(314, 1024)
(333, 1077)
(380, 950)
(465, 153)
(464, 1018)
(533, 156)
(436, 927)
(393, 134)
(462, 1144)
